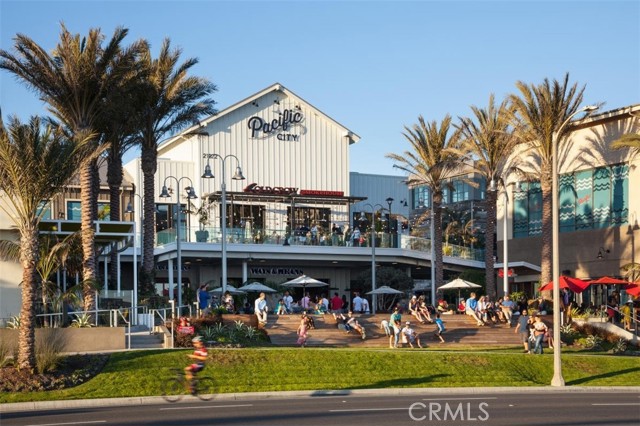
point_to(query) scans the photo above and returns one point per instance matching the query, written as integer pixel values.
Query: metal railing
(300, 238)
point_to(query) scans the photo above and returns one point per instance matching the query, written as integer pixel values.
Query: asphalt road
(517, 407)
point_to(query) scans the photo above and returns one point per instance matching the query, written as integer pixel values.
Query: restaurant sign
(278, 126)
(254, 188)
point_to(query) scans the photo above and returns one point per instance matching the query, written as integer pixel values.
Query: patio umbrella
(609, 281)
(633, 289)
(256, 287)
(574, 284)
(304, 281)
(231, 289)
(459, 283)
(385, 289)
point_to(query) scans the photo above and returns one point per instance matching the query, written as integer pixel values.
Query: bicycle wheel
(173, 390)
(206, 388)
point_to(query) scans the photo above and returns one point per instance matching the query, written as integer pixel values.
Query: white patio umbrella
(458, 283)
(231, 289)
(304, 282)
(385, 289)
(257, 288)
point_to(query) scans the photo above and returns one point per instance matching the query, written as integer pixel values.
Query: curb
(154, 400)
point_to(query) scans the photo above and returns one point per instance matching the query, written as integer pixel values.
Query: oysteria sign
(254, 188)
(278, 126)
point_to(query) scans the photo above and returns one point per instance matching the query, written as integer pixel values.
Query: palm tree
(431, 162)
(489, 140)
(171, 101)
(34, 166)
(74, 81)
(538, 114)
(631, 140)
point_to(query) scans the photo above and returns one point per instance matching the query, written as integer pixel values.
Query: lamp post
(190, 195)
(432, 237)
(373, 251)
(134, 302)
(223, 190)
(557, 379)
(505, 238)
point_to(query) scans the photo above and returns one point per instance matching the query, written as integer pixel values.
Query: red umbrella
(633, 289)
(608, 281)
(574, 284)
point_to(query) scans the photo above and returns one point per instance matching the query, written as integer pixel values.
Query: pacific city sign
(282, 124)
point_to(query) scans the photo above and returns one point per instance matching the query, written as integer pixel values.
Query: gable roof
(276, 87)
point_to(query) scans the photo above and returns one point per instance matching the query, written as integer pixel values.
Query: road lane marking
(69, 423)
(354, 410)
(207, 407)
(618, 403)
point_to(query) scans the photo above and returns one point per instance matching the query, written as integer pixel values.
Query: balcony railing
(301, 238)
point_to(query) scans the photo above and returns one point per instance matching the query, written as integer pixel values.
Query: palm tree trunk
(546, 275)
(26, 334)
(114, 177)
(149, 165)
(489, 248)
(89, 276)
(437, 218)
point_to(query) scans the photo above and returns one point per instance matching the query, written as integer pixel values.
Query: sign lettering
(254, 188)
(284, 121)
(276, 271)
(319, 192)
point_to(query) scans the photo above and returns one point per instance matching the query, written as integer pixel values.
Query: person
(365, 306)
(462, 308)
(539, 330)
(227, 300)
(314, 234)
(199, 356)
(281, 308)
(357, 303)
(410, 335)
(336, 304)
(414, 309)
(384, 324)
(443, 307)
(302, 331)
(345, 303)
(261, 309)
(523, 328)
(288, 300)
(305, 302)
(626, 312)
(355, 237)
(471, 307)
(507, 306)
(355, 325)
(395, 321)
(203, 299)
(567, 304)
(439, 328)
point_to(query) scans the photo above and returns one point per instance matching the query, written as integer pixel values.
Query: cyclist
(199, 355)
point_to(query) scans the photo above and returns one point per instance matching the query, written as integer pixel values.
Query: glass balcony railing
(303, 238)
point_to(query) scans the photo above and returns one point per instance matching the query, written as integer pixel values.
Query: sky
(373, 66)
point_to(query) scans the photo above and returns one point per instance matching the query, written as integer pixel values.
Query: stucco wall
(75, 339)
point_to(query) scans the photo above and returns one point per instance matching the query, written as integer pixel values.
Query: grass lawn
(141, 373)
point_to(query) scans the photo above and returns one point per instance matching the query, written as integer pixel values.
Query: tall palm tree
(538, 114)
(431, 162)
(488, 139)
(631, 140)
(34, 166)
(74, 81)
(171, 100)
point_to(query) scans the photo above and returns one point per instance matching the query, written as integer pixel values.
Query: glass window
(44, 210)
(74, 211)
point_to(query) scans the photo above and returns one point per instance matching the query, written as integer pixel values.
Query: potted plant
(202, 235)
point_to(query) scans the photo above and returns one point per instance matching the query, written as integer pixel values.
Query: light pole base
(557, 380)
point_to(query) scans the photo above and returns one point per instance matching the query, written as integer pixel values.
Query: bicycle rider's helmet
(196, 339)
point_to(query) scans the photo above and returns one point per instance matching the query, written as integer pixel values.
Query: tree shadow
(610, 374)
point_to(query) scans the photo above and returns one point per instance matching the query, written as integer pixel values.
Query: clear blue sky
(372, 66)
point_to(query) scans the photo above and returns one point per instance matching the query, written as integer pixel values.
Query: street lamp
(557, 379)
(191, 194)
(223, 189)
(374, 210)
(134, 300)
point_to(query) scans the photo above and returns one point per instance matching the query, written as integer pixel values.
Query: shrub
(7, 353)
(82, 321)
(48, 350)
(619, 347)
(14, 322)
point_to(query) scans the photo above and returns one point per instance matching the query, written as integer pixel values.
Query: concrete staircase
(141, 338)
(460, 330)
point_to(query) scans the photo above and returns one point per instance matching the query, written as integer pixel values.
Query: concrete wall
(75, 339)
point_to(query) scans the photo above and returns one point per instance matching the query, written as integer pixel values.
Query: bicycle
(174, 389)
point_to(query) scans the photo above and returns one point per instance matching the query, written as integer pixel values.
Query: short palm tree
(171, 100)
(74, 80)
(538, 114)
(488, 139)
(431, 162)
(34, 166)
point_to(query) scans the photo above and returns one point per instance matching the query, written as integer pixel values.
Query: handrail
(116, 313)
(632, 317)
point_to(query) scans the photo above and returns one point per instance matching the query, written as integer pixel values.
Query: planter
(77, 339)
(202, 236)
